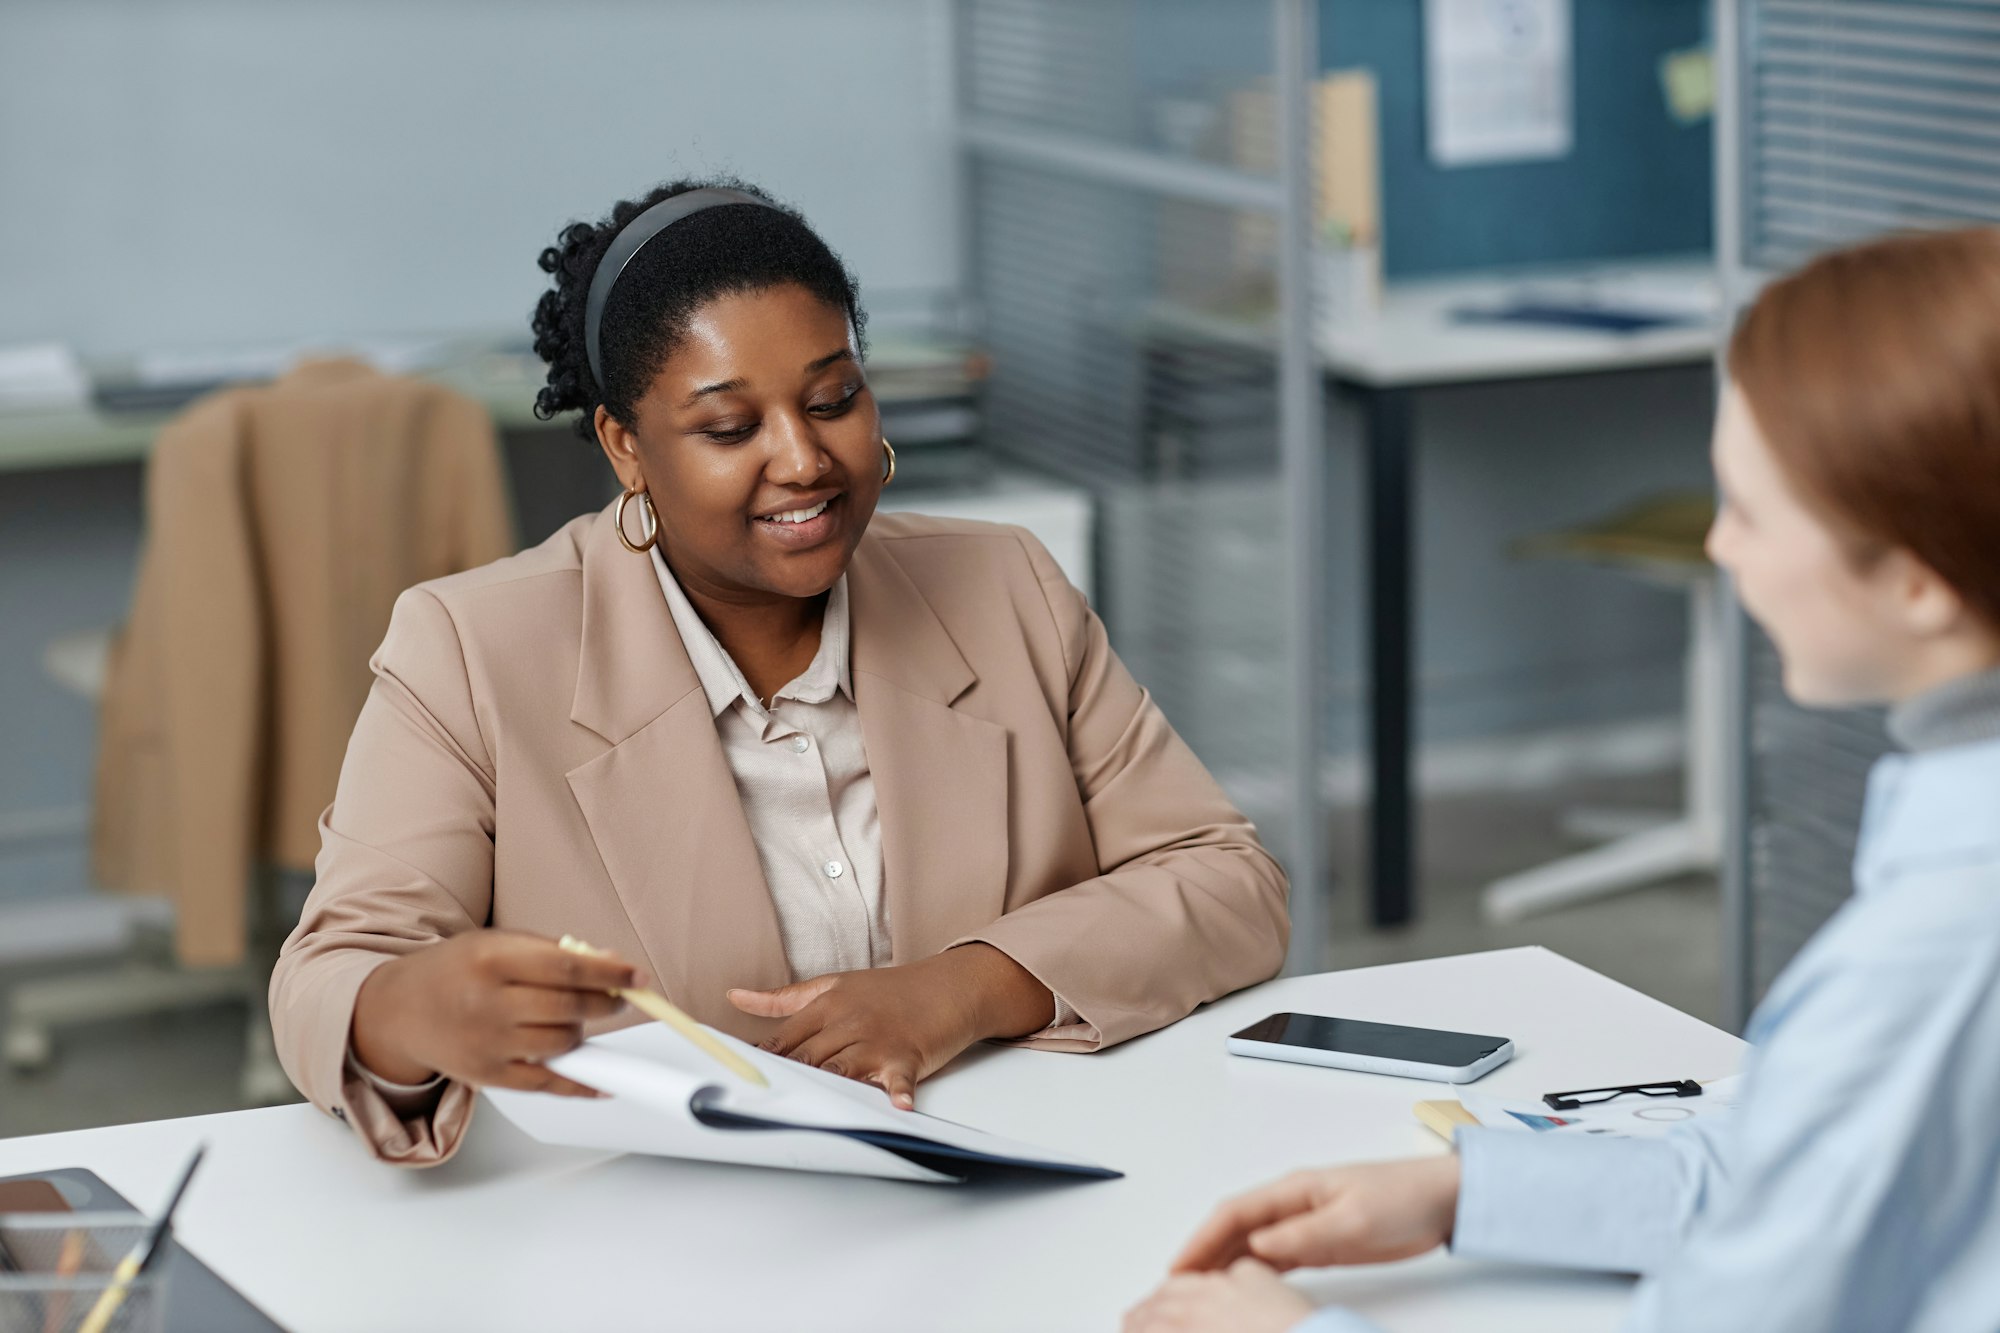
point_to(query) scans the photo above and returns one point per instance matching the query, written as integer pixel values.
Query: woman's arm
(1862, 1165)
(390, 971)
(1189, 906)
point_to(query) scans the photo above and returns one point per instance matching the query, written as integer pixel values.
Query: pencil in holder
(54, 1268)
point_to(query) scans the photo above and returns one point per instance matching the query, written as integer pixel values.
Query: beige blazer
(537, 754)
(281, 523)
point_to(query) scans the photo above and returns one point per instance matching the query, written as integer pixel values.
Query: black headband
(631, 240)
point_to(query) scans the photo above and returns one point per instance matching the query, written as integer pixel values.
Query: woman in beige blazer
(864, 789)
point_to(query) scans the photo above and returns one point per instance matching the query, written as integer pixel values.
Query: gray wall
(197, 172)
(201, 173)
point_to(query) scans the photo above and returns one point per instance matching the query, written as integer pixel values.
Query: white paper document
(1633, 1116)
(671, 1100)
(1497, 80)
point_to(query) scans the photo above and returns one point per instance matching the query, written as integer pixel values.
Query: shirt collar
(1955, 713)
(723, 681)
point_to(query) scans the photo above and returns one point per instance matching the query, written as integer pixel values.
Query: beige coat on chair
(538, 754)
(281, 523)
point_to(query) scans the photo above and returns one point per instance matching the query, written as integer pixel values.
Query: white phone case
(1372, 1064)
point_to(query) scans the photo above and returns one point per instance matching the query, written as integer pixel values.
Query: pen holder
(54, 1267)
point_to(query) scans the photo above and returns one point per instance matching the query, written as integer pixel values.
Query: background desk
(1415, 343)
(515, 1235)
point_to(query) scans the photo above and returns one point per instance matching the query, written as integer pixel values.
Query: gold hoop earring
(649, 521)
(889, 450)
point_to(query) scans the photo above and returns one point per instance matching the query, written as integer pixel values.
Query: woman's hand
(896, 1026)
(485, 1007)
(1247, 1298)
(1343, 1215)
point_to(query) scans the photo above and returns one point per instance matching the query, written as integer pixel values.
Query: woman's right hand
(1368, 1214)
(485, 1007)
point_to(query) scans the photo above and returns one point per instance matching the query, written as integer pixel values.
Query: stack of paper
(670, 1100)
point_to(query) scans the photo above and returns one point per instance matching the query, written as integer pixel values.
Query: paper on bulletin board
(1497, 80)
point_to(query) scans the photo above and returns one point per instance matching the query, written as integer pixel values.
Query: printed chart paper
(1497, 80)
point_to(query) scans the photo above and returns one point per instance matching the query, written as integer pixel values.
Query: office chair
(1659, 540)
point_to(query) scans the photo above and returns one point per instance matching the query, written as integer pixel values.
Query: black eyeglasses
(1570, 1101)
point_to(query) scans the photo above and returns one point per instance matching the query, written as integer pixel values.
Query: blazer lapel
(661, 803)
(940, 774)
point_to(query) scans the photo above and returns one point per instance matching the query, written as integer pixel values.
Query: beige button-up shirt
(802, 774)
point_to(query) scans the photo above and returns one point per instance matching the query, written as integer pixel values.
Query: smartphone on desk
(1372, 1048)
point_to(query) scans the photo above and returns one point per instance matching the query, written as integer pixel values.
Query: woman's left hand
(896, 1026)
(1246, 1297)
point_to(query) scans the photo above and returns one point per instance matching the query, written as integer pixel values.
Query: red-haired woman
(1858, 1186)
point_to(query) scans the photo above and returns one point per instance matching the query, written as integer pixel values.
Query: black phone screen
(1386, 1041)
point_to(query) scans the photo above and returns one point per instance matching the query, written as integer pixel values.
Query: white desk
(1418, 339)
(1062, 516)
(514, 1235)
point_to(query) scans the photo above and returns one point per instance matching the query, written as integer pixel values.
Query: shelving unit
(1082, 214)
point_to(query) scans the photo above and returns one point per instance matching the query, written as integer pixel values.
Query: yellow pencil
(106, 1309)
(56, 1317)
(657, 1006)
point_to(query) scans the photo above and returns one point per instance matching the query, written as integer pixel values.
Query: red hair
(1874, 375)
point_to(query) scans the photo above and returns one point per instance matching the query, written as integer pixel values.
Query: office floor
(1661, 940)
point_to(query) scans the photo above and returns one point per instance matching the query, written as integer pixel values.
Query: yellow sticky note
(1688, 80)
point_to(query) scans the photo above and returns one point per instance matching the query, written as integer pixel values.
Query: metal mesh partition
(1064, 67)
(1126, 207)
(1133, 352)
(1807, 777)
(1867, 117)
(1840, 119)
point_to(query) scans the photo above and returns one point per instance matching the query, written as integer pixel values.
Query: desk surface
(1415, 338)
(902, 365)
(83, 435)
(516, 1235)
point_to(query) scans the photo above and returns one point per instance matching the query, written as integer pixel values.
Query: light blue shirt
(1857, 1187)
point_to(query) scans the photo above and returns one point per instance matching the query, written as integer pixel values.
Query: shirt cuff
(1333, 1319)
(1067, 1025)
(1612, 1205)
(405, 1099)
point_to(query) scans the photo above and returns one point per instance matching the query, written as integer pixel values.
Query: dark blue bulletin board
(1637, 182)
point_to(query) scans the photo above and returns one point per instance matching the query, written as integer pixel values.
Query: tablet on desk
(197, 1300)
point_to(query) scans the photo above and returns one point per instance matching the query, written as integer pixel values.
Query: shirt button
(834, 870)
(800, 745)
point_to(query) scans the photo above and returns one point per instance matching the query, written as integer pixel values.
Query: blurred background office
(1356, 356)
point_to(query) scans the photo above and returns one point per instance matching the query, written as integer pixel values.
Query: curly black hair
(726, 249)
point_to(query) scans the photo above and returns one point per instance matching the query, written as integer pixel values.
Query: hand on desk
(1368, 1214)
(484, 1007)
(1226, 1279)
(896, 1026)
(1248, 1297)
